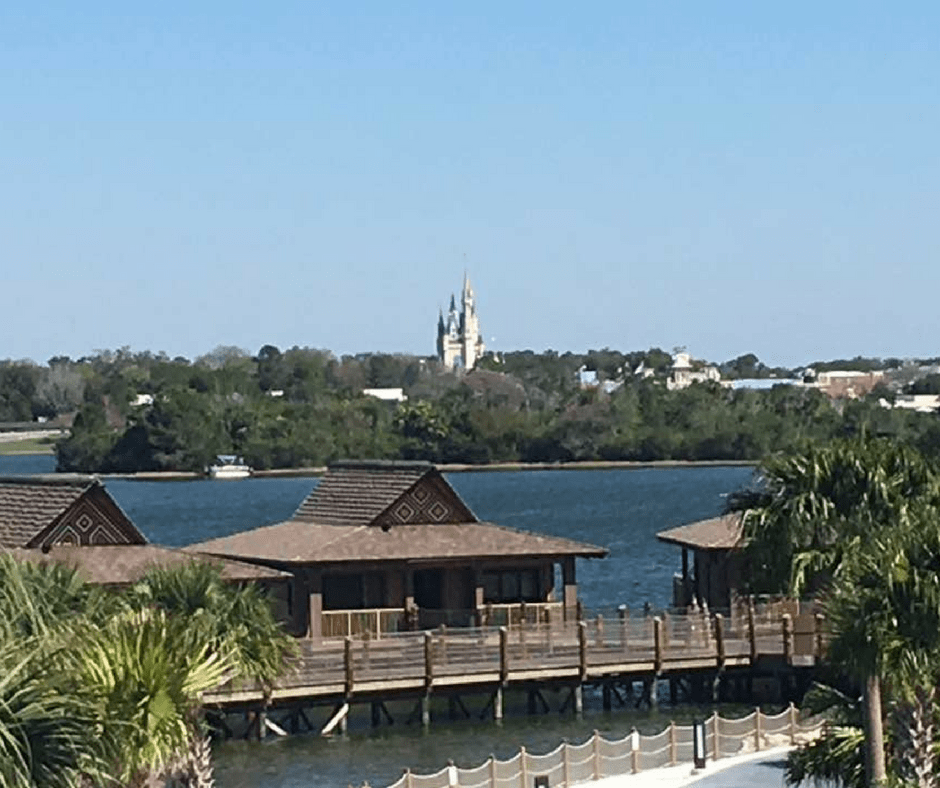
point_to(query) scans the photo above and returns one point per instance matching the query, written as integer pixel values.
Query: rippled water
(620, 509)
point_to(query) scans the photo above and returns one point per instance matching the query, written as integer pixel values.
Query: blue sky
(732, 177)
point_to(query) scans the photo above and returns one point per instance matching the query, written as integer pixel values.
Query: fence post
(818, 623)
(673, 744)
(720, 639)
(752, 629)
(579, 610)
(348, 664)
(597, 755)
(792, 711)
(428, 659)
(716, 734)
(503, 655)
(523, 772)
(409, 780)
(787, 637)
(624, 613)
(757, 731)
(635, 750)
(582, 650)
(658, 644)
(566, 763)
(492, 772)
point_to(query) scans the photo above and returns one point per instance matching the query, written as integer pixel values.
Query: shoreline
(503, 467)
(500, 467)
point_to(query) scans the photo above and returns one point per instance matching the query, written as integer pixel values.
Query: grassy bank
(28, 446)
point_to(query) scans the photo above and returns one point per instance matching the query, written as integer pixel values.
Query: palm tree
(146, 672)
(812, 510)
(814, 514)
(884, 612)
(234, 621)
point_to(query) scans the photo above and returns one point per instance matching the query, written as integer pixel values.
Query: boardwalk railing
(575, 651)
(570, 764)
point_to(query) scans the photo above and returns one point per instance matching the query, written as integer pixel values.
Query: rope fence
(571, 764)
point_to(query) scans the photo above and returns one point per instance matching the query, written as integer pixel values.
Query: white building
(459, 340)
(684, 374)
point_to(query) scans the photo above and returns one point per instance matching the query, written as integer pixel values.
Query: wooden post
(818, 624)
(624, 613)
(720, 639)
(348, 664)
(658, 643)
(582, 651)
(579, 608)
(634, 751)
(787, 638)
(492, 772)
(503, 655)
(428, 659)
(757, 730)
(599, 633)
(409, 779)
(442, 643)
(566, 763)
(673, 745)
(523, 772)
(792, 711)
(366, 641)
(597, 755)
(752, 629)
(716, 744)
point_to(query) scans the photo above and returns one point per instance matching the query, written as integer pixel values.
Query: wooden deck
(489, 659)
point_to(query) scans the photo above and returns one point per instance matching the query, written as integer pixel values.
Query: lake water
(620, 509)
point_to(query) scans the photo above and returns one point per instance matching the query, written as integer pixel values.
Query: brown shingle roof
(297, 541)
(126, 564)
(717, 533)
(29, 504)
(357, 492)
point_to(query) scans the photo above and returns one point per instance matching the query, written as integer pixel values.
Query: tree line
(302, 407)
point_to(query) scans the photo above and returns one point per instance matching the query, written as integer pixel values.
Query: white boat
(228, 466)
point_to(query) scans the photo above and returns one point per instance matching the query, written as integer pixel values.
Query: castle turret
(459, 341)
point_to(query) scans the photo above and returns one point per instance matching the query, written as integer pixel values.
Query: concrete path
(764, 769)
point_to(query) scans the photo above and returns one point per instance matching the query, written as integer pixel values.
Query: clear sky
(732, 177)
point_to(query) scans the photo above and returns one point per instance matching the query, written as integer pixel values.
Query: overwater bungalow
(714, 574)
(386, 546)
(72, 519)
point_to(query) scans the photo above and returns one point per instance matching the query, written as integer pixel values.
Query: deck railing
(594, 646)
(350, 623)
(570, 764)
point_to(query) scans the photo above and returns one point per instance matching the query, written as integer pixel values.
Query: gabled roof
(300, 542)
(377, 511)
(126, 564)
(35, 510)
(716, 533)
(383, 493)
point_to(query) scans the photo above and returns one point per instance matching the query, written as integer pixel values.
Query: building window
(353, 591)
(511, 585)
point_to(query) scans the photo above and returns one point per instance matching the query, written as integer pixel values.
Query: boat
(228, 466)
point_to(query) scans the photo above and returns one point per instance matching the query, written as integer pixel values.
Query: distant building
(387, 395)
(459, 340)
(847, 384)
(921, 403)
(684, 374)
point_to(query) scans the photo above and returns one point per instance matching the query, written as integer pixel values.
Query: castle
(459, 341)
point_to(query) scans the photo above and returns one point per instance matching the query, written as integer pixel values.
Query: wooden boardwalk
(569, 654)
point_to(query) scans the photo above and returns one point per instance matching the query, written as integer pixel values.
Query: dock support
(498, 704)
